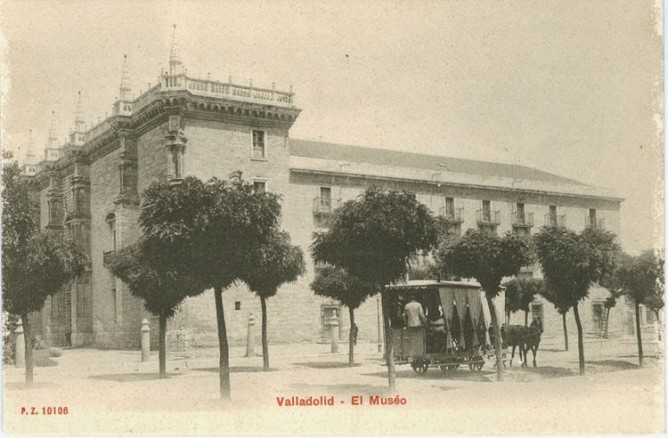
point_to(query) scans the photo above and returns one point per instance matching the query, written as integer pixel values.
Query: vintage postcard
(305, 218)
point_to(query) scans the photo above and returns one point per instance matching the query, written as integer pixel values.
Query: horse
(531, 339)
(513, 335)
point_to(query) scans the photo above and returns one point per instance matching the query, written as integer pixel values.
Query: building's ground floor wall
(296, 315)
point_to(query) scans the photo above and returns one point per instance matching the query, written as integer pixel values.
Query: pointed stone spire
(175, 64)
(30, 166)
(126, 89)
(123, 105)
(77, 134)
(53, 139)
(52, 152)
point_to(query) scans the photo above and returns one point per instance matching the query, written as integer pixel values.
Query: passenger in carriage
(437, 330)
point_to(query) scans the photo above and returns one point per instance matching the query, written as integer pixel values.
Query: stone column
(19, 347)
(145, 341)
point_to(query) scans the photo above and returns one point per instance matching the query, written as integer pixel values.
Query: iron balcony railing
(325, 205)
(592, 222)
(520, 219)
(553, 220)
(452, 215)
(487, 217)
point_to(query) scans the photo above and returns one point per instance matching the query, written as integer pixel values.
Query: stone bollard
(250, 340)
(20, 346)
(145, 341)
(334, 333)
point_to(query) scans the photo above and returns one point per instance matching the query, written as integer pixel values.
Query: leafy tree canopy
(486, 257)
(641, 278)
(207, 228)
(372, 236)
(520, 293)
(336, 283)
(48, 263)
(571, 262)
(161, 290)
(272, 264)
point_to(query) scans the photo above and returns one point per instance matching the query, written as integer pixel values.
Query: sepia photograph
(381, 217)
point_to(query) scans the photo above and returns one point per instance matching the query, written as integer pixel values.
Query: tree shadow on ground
(340, 389)
(130, 377)
(554, 350)
(236, 369)
(435, 373)
(326, 365)
(18, 386)
(613, 365)
(547, 372)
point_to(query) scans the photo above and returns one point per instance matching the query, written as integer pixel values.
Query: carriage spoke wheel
(476, 366)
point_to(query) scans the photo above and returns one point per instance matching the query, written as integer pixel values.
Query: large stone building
(90, 189)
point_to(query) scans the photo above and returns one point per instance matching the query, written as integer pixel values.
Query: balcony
(105, 257)
(592, 222)
(522, 220)
(452, 216)
(325, 206)
(486, 217)
(555, 220)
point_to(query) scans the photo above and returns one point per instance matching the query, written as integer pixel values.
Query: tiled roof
(385, 157)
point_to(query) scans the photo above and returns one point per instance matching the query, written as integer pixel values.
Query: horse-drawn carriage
(457, 328)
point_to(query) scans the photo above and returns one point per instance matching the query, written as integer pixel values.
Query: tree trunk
(389, 353)
(265, 342)
(639, 335)
(581, 351)
(507, 317)
(526, 318)
(162, 350)
(658, 325)
(27, 337)
(563, 320)
(497, 339)
(224, 370)
(351, 344)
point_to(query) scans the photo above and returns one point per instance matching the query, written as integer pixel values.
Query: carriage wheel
(449, 368)
(476, 366)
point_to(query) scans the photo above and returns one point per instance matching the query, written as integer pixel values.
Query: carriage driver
(415, 323)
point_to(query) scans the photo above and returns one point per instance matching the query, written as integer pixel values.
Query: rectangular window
(325, 199)
(553, 215)
(592, 217)
(487, 211)
(450, 208)
(259, 149)
(520, 212)
(259, 187)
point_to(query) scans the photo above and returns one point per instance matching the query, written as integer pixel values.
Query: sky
(572, 88)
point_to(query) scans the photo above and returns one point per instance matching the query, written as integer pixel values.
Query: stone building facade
(90, 189)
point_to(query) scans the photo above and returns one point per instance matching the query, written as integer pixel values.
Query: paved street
(113, 392)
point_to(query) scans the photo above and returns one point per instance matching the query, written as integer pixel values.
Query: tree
(488, 258)
(520, 293)
(162, 290)
(349, 290)
(273, 263)
(571, 262)
(612, 283)
(35, 265)
(372, 238)
(210, 230)
(561, 304)
(641, 279)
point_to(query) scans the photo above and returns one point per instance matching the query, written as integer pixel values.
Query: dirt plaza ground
(113, 392)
